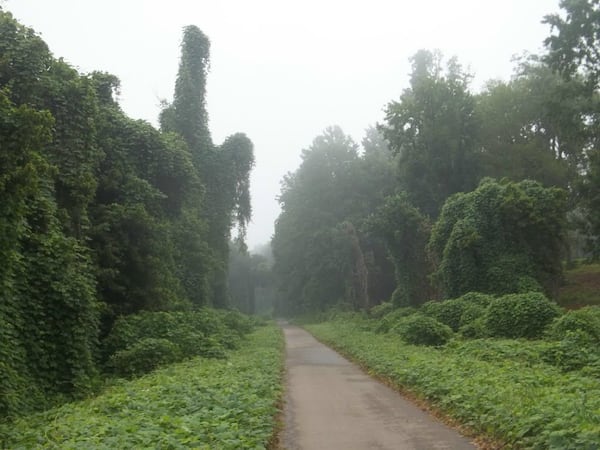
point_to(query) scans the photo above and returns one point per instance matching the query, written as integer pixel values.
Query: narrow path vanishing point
(331, 404)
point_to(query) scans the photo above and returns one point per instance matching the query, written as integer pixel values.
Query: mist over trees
(484, 191)
(320, 259)
(103, 215)
(107, 220)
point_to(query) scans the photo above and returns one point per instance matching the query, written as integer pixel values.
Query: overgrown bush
(203, 332)
(475, 329)
(471, 312)
(144, 356)
(418, 329)
(387, 322)
(576, 341)
(477, 298)
(237, 321)
(502, 238)
(379, 311)
(575, 351)
(448, 312)
(584, 320)
(405, 231)
(520, 315)
(458, 312)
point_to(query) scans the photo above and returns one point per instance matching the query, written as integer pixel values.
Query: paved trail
(331, 404)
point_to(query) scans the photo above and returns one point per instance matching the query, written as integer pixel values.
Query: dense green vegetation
(102, 217)
(200, 403)
(455, 191)
(451, 224)
(522, 393)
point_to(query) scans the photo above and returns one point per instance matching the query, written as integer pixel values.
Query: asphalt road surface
(331, 404)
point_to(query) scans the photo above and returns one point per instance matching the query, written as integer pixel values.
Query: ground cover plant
(506, 390)
(199, 403)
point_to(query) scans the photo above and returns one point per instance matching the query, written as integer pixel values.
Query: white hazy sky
(282, 71)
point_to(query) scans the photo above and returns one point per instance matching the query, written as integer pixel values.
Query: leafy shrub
(576, 350)
(577, 338)
(377, 312)
(460, 311)
(448, 312)
(203, 332)
(520, 315)
(388, 321)
(472, 312)
(238, 322)
(477, 298)
(194, 344)
(144, 356)
(474, 329)
(527, 283)
(584, 320)
(418, 329)
(127, 330)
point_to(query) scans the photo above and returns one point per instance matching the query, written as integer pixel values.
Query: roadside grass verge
(199, 403)
(499, 389)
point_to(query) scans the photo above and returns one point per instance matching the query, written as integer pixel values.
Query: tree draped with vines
(48, 309)
(223, 170)
(501, 238)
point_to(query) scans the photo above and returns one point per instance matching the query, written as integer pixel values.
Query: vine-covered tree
(405, 232)
(573, 51)
(48, 310)
(500, 238)
(223, 170)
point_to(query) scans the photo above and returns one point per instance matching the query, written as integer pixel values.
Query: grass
(499, 389)
(199, 403)
(582, 287)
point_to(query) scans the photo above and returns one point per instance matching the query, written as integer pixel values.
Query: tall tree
(432, 129)
(187, 114)
(532, 127)
(323, 254)
(574, 52)
(574, 45)
(223, 170)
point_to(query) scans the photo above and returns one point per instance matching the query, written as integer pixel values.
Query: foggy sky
(282, 71)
